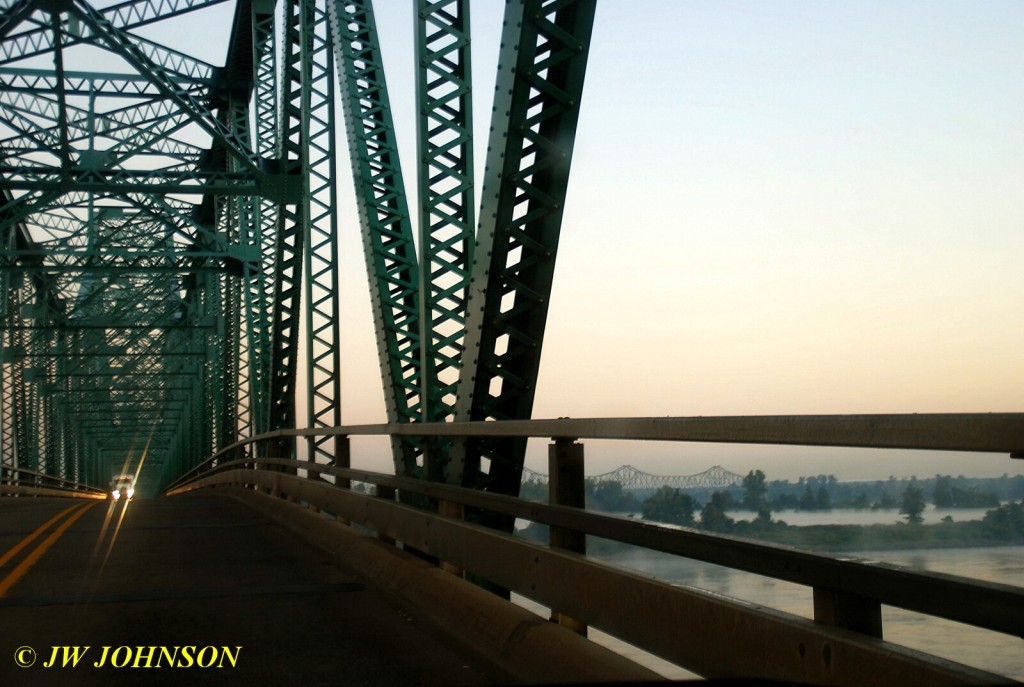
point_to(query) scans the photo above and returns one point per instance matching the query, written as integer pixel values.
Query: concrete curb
(514, 642)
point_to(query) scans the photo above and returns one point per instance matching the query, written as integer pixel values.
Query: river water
(991, 651)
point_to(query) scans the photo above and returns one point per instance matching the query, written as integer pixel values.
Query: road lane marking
(30, 560)
(35, 535)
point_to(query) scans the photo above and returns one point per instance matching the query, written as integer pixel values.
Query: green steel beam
(125, 15)
(541, 70)
(291, 219)
(129, 250)
(322, 308)
(446, 206)
(384, 217)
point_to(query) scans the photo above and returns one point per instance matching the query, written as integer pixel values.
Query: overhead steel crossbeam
(540, 84)
(145, 207)
(37, 40)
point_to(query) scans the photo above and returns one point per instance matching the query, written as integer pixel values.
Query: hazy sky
(775, 208)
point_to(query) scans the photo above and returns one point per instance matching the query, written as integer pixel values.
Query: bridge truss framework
(169, 228)
(634, 479)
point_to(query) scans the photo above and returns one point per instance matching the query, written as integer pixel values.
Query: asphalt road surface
(194, 590)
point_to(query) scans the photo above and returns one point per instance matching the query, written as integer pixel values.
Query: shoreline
(1003, 526)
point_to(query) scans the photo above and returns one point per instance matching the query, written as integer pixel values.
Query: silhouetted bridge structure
(635, 479)
(169, 307)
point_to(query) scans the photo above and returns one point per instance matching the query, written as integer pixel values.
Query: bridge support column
(567, 487)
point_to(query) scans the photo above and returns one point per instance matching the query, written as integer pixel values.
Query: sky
(774, 208)
(788, 207)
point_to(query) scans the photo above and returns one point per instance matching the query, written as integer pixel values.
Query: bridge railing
(16, 481)
(692, 628)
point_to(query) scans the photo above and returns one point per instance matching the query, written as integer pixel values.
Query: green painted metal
(323, 354)
(447, 215)
(421, 305)
(259, 216)
(540, 83)
(291, 212)
(169, 232)
(384, 217)
(146, 207)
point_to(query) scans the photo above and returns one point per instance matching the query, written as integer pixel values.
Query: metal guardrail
(971, 432)
(848, 594)
(23, 482)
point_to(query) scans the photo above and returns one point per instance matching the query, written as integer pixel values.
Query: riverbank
(1003, 526)
(902, 536)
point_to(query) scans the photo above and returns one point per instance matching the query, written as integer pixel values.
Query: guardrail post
(848, 611)
(388, 494)
(567, 487)
(451, 509)
(343, 459)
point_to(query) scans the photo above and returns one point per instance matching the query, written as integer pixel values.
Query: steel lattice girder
(323, 356)
(540, 84)
(139, 231)
(384, 217)
(446, 214)
(420, 308)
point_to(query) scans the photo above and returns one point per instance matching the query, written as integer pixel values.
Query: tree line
(757, 494)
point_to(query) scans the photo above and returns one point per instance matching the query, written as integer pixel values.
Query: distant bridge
(715, 477)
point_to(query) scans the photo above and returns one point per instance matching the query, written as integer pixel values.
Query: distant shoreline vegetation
(1001, 524)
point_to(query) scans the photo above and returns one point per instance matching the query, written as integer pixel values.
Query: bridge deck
(201, 571)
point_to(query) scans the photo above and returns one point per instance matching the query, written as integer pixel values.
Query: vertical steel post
(848, 611)
(567, 487)
(384, 218)
(446, 207)
(321, 297)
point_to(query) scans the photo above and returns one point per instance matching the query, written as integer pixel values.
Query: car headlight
(131, 492)
(116, 495)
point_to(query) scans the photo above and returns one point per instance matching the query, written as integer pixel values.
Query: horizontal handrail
(974, 432)
(48, 484)
(984, 604)
(848, 593)
(695, 629)
(969, 432)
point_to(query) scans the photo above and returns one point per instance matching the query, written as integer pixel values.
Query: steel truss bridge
(634, 479)
(170, 229)
(169, 305)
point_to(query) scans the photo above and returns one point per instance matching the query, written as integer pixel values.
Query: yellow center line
(30, 560)
(32, 537)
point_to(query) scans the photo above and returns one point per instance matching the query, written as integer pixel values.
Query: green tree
(669, 505)
(610, 495)
(754, 491)
(824, 500)
(713, 517)
(942, 496)
(1006, 522)
(533, 490)
(913, 502)
(971, 497)
(807, 500)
